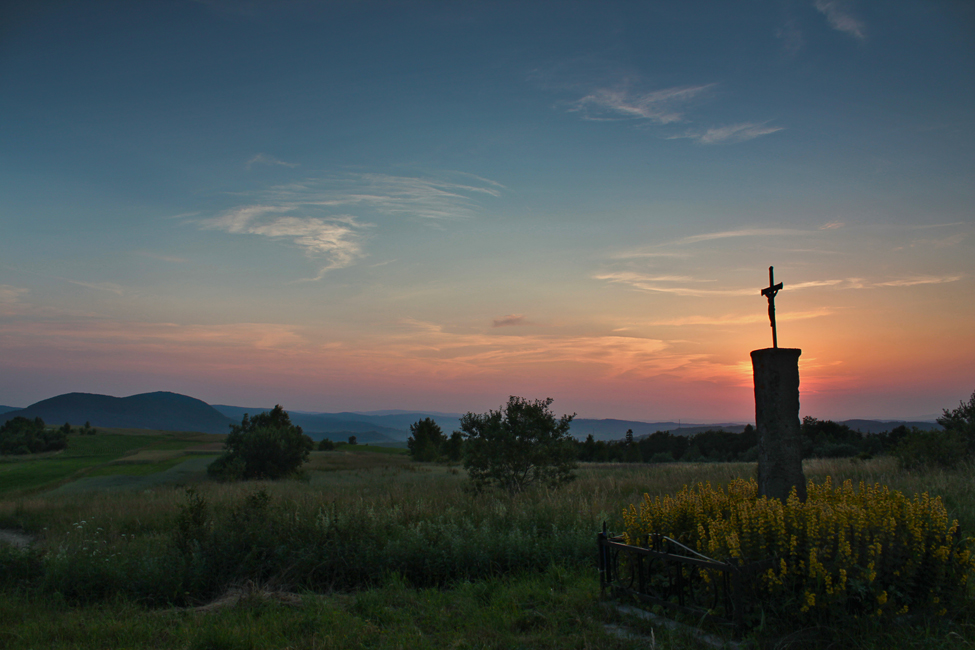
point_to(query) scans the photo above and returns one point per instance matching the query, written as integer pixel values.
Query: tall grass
(356, 519)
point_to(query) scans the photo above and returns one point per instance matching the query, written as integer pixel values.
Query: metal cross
(769, 292)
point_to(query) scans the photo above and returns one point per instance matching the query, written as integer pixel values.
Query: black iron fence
(664, 572)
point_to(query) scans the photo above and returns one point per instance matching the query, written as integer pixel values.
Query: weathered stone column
(777, 420)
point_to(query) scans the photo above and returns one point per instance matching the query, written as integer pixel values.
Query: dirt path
(15, 537)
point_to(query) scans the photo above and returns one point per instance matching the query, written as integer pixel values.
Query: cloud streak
(749, 319)
(337, 238)
(730, 134)
(10, 294)
(313, 213)
(264, 159)
(384, 194)
(653, 284)
(109, 287)
(658, 106)
(511, 320)
(840, 18)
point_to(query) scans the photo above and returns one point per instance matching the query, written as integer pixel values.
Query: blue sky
(358, 205)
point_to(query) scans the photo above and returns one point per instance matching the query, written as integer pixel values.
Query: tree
(326, 445)
(353, 440)
(962, 421)
(21, 435)
(426, 440)
(520, 446)
(453, 449)
(266, 446)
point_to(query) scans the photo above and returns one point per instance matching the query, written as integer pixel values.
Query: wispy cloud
(748, 319)
(324, 216)
(643, 252)
(336, 238)
(912, 282)
(657, 284)
(10, 294)
(109, 287)
(791, 37)
(426, 198)
(511, 320)
(162, 258)
(840, 18)
(744, 232)
(832, 225)
(264, 159)
(654, 284)
(729, 134)
(659, 106)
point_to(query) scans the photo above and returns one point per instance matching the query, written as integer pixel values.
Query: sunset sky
(435, 205)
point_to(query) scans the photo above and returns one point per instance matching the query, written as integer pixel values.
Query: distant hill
(325, 424)
(878, 426)
(610, 429)
(4, 409)
(161, 410)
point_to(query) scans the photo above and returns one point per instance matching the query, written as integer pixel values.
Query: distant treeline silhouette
(820, 439)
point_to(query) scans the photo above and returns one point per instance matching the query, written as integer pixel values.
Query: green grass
(384, 552)
(90, 456)
(393, 448)
(552, 610)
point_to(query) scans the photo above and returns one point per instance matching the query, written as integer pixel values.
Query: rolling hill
(161, 410)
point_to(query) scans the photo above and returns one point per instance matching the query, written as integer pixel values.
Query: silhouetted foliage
(21, 435)
(919, 449)
(962, 421)
(265, 446)
(426, 442)
(518, 447)
(353, 440)
(326, 445)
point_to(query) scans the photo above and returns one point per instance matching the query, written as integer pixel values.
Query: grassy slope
(99, 455)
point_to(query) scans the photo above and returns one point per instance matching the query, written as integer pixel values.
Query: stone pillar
(777, 420)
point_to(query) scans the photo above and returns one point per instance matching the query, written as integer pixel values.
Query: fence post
(601, 545)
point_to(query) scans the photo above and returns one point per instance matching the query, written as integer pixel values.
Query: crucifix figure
(769, 292)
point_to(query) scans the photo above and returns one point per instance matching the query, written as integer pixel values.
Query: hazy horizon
(373, 205)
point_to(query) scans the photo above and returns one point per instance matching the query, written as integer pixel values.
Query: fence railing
(664, 572)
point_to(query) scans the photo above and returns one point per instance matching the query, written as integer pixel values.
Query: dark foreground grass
(556, 609)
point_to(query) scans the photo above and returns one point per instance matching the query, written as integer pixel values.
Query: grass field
(110, 452)
(367, 549)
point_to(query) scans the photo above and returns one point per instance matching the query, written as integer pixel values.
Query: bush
(266, 446)
(921, 449)
(868, 551)
(522, 446)
(326, 445)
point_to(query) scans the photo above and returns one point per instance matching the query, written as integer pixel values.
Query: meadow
(366, 549)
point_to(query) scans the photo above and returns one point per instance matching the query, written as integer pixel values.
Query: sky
(360, 205)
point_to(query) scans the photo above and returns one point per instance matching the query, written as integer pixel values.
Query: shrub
(522, 446)
(265, 446)
(326, 444)
(920, 449)
(868, 551)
